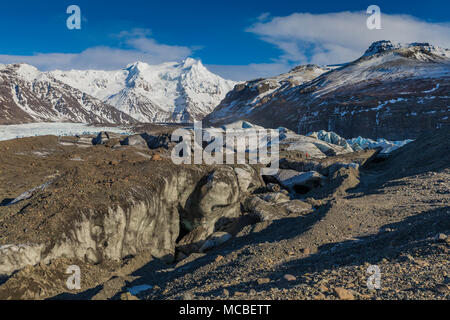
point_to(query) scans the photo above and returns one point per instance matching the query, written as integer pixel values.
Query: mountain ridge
(170, 92)
(392, 91)
(28, 95)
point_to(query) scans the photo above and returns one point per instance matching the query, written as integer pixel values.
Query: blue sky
(237, 39)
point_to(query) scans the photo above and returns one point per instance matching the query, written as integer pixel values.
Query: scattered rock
(421, 262)
(319, 296)
(156, 157)
(261, 281)
(128, 296)
(343, 294)
(188, 296)
(322, 288)
(289, 277)
(306, 251)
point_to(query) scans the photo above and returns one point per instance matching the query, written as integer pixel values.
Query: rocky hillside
(393, 91)
(247, 96)
(139, 226)
(28, 95)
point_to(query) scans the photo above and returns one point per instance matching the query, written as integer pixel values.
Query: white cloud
(341, 37)
(263, 16)
(301, 37)
(140, 48)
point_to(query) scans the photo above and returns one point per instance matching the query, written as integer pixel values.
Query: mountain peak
(189, 63)
(306, 67)
(26, 71)
(381, 46)
(138, 65)
(387, 45)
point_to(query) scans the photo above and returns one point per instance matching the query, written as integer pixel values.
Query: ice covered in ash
(359, 143)
(386, 145)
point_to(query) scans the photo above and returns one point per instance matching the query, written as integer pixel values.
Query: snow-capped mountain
(170, 92)
(395, 91)
(251, 95)
(28, 95)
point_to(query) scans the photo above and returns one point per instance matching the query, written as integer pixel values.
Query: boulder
(215, 201)
(215, 240)
(104, 137)
(261, 209)
(145, 140)
(248, 179)
(295, 207)
(300, 182)
(159, 141)
(136, 140)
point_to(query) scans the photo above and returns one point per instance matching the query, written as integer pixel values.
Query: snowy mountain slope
(170, 92)
(249, 96)
(28, 95)
(393, 91)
